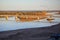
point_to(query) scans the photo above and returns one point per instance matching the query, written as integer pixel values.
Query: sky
(29, 5)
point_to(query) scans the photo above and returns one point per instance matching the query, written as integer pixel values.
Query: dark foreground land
(31, 34)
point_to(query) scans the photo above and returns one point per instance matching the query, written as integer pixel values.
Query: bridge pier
(6, 17)
(16, 18)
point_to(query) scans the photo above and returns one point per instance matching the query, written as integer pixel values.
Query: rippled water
(13, 25)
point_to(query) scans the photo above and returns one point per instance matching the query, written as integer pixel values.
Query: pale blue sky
(29, 4)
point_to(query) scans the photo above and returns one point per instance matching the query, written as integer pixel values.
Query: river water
(13, 25)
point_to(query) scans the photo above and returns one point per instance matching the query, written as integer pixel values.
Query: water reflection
(11, 24)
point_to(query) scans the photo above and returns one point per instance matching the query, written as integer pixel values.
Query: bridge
(25, 16)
